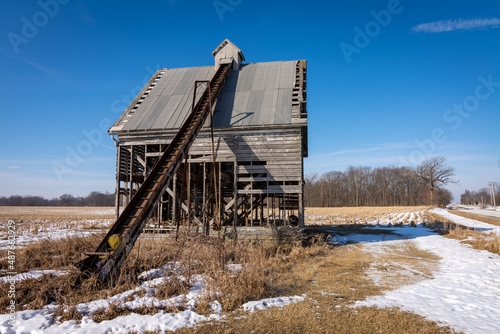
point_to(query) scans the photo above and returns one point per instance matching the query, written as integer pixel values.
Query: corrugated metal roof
(257, 94)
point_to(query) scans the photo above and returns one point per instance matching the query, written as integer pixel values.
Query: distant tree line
(480, 197)
(95, 198)
(383, 186)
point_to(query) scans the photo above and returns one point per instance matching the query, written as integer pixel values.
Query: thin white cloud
(381, 147)
(460, 24)
(44, 69)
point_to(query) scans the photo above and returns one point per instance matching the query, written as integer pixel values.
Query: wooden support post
(245, 207)
(207, 229)
(169, 208)
(267, 206)
(158, 208)
(272, 208)
(235, 195)
(188, 177)
(174, 200)
(183, 187)
(221, 201)
(257, 207)
(130, 171)
(279, 207)
(193, 200)
(261, 209)
(301, 209)
(118, 183)
(284, 209)
(251, 209)
(132, 158)
(131, 174)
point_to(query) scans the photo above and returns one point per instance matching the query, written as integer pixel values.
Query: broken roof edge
(127, 110)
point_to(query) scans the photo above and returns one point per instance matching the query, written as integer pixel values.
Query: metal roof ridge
(246, 64)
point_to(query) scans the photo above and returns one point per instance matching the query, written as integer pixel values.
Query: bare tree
(434, 173)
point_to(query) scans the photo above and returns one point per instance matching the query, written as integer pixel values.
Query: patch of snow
(31, 275)
(164, 270)
(324, 293)
(476, 224)
(234, 268)
(464, 293)
(39, 321)
(264, 304)
(216, 306)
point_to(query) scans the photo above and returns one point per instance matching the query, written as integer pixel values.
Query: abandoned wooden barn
(259, 140)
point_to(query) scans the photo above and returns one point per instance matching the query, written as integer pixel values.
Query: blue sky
(389, 82)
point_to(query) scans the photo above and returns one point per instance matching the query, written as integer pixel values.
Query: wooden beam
(173, 193)
(188, 209)
(183, 205)
(235, 200)
(117, 191)
(131, 173)
(204, 208)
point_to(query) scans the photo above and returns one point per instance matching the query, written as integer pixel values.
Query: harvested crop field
(33, 224)
(364, 215)
(390, 270)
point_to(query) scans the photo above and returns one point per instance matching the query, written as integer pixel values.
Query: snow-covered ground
(476, 224)
(42, 321)
(464, 293)
(27, 238)
(30, 231)
(489, 212)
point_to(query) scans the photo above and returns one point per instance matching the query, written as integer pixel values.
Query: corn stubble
(355, 215)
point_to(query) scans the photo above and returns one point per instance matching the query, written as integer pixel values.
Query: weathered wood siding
(274, 156)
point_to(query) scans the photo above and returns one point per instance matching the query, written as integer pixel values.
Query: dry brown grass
(333, 279)
(51, 254)
(396, 266)
(477, 239)
(322, 316)
(357, 215)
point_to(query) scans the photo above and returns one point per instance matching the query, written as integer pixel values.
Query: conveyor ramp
(119, 241)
